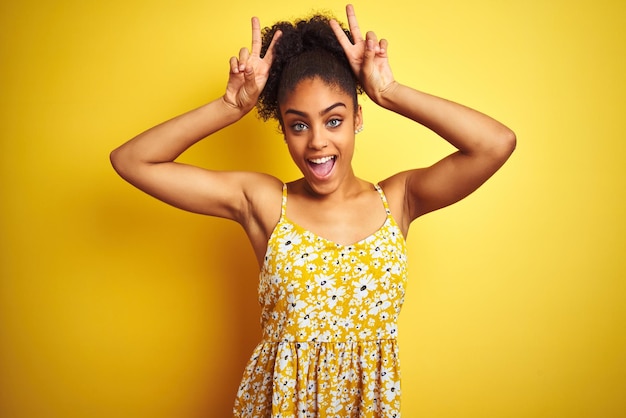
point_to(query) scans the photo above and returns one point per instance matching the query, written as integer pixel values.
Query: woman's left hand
(367, 57)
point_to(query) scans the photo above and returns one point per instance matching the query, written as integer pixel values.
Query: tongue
(323, 169)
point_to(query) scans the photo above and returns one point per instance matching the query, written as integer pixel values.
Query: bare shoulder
(395, 189)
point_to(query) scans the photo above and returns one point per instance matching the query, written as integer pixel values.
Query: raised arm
(483, 143)
(148, 160)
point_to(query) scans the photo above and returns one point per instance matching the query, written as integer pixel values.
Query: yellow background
(113, 304)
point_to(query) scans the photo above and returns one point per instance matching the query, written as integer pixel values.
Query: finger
(384, 45)
(256, 36)
(244, 54)
(269, 54)
(371, 43)
(341, 36)
(353, 24)
(250, 83)
(371, 49)
(234, 65)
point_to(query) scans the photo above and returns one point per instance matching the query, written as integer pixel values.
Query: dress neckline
(365, 239)
(368, 238)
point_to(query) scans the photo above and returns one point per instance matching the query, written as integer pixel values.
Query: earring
(358, 130)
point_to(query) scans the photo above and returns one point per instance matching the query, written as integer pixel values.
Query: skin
(318, 121)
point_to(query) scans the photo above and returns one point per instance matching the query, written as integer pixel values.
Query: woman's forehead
(316, 93)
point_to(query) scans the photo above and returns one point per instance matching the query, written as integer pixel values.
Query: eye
(333, 123)
(298, 126)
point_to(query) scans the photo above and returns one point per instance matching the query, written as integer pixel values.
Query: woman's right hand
(249, 72)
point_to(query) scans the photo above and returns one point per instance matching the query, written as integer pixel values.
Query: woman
(330, 245)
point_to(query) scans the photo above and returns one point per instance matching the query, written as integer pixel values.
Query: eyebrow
(322, 113)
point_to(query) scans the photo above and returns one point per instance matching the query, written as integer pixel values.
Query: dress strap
(383, 198)
(283, 206)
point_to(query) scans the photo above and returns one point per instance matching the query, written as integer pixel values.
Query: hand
(249, 72)
(367, 57)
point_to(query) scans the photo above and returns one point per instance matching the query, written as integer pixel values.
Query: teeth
(321, 160)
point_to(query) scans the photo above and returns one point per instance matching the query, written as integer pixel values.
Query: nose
(317, 140)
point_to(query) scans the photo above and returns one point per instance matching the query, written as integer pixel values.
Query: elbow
(498, 147)
(509, 141)
(505, 143)
(120, 162)
(115, 159)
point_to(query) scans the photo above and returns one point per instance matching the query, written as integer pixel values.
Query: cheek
(295, 151)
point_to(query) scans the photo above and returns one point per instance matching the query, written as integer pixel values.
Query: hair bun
(307, 47)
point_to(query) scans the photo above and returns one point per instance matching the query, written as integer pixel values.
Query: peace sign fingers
(351, 49)
(367, 57)
(353, 24)
(256, 37)
(249, 71)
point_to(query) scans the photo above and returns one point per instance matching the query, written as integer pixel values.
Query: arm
(483, 143)
(147, 161)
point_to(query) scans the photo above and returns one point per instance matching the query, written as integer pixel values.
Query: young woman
(330, 245)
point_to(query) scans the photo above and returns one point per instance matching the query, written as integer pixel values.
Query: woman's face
(318, 123)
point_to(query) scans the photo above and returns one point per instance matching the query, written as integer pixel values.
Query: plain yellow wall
(113, 304)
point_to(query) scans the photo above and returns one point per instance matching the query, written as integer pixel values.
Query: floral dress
(329, 319)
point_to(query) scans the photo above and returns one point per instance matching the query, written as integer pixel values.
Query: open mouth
(322, 167)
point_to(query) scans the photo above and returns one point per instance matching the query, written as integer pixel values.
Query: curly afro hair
(308, 48)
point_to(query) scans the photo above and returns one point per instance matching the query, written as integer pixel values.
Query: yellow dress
(329, 319)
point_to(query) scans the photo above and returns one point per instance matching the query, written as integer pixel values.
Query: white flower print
(375, 264)
(386, 375)
(347, 323)
(275, 279)
(325, 281)
(294, 302)
(297, 274)
(392, 390)
(292, 286)
(283, 361)
(392, 329)
(335, 295)
(364, 285)
(336, 405)
(362, 315)
(289, 241)
(392, 268)
(378, 251)
(360, 268)
(305, 257)
(306, 316)
(393, 235)
(365, 334)
(381, 303)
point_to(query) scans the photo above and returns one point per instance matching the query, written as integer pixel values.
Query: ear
(358, 120)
